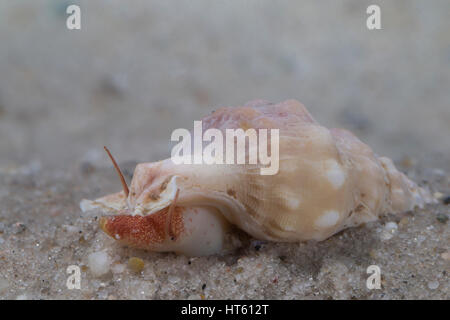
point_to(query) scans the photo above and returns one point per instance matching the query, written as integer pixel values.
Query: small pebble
(136, 264)
(391, 227)
(118, 268)
(388, 231)
(446, 255)
(438, 195)
(433, 285)
(446, 200)
(99, 263)
(19, 227)
(442, 217)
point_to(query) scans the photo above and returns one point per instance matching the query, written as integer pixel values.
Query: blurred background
(138, 70)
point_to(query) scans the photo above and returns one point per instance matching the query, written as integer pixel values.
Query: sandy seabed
(42, 232)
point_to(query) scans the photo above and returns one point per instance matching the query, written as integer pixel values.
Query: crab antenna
(170, 213)
(122, 179)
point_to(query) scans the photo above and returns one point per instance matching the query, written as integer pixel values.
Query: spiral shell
(327, 180)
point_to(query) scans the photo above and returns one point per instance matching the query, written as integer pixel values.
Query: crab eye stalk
(122, 179)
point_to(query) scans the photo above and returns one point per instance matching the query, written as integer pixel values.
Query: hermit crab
(327, 180)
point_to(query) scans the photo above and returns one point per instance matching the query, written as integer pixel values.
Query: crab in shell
(328, 180)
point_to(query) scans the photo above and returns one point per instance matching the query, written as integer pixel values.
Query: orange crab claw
(145, 232)
(196, 231)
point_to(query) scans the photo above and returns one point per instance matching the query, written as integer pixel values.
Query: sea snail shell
(327, 180)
